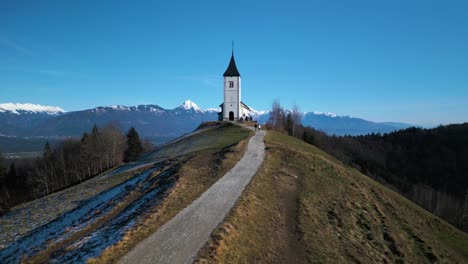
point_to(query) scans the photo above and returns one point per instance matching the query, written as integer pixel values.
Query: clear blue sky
(403, 61)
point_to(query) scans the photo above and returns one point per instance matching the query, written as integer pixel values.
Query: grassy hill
(101, 219)
(302, 206)
(305, 206)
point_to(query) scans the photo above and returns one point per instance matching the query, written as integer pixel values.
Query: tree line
(69, 162)
(427, 166)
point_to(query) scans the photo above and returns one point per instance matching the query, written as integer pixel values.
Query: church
(232, 108)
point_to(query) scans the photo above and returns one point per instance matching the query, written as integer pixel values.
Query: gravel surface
(179, 240)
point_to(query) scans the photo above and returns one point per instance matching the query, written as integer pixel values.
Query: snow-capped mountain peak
(188, 104)
(119, 107)
(257, 113)
(212, 109)
(17, 108)
(325, 114)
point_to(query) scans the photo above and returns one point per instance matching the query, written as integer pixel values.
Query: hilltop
(305, 206)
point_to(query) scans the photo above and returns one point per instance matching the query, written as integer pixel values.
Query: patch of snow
(212, 110)
(16, 108)
(90, 211)
(188, 104)
(119, 107)
(258, 113)
(325, 114)
(155, 110)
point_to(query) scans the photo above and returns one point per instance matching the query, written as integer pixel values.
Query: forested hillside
(67, 163)
(427, 166)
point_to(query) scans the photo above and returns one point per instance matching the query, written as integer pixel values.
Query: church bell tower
(232, 92)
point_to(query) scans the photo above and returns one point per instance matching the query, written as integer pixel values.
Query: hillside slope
(305, 206)
(112, 212)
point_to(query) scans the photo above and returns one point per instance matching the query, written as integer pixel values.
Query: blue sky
(404, 61)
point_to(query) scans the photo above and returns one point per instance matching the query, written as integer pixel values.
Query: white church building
(232, 108)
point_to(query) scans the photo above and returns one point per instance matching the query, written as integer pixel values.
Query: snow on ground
(28, 216)
(91, 211)
(107, 235)
(25, 229)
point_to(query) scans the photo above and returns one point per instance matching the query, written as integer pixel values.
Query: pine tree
(2, 169)
(11, 176)
(134, 146)
(47, 150)
(4, 193)
(289, 126)
(95, 130)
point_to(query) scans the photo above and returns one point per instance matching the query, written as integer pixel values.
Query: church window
(231, 84)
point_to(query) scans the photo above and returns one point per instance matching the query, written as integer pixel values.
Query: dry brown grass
(195, 176)
(339, 216)
(261, 227)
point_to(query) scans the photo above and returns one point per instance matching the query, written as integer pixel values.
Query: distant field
(22, 145)
(22, 155)
(19, 148)
(304, 206)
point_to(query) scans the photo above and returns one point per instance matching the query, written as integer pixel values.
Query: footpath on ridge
(180, 239)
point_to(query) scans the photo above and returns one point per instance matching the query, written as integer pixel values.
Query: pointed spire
(232, 69)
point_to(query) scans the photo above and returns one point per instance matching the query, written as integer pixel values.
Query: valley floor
(304, 206)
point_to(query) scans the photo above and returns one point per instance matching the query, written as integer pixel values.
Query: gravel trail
(179, 240)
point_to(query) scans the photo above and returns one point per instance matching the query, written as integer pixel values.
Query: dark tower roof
(231, 69)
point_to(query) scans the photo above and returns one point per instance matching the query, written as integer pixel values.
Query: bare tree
(41, 179)
(114, 141)
(296, 119)
(277, 117)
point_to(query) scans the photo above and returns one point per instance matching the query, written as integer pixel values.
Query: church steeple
(232, 107)
(232, 69)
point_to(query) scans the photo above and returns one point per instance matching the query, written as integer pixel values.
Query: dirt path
(180, 239)
(288, 190)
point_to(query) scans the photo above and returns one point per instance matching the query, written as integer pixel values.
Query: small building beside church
(232, 108)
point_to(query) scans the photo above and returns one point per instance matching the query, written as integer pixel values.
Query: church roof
(231, 69)
(245, 106)
(242, 104)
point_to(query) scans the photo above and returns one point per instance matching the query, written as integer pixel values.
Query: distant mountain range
(32, 121)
